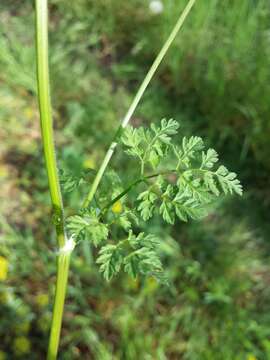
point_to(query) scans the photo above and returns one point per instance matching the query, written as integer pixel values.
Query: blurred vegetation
(216, 82)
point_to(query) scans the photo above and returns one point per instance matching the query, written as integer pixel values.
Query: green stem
(122, 194)
(137, 99)
(131, 186)
(46, 116)
(58, 308)
(50, 160)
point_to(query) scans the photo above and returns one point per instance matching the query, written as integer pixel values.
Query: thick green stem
(137, 99)
(50, 160)
(61, 285)
(46, 116)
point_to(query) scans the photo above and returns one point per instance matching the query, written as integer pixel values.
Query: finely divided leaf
(151, 145)
(144, 261)
(144, 258)
(188, 194)
(194, 187)
(110, 260)
(166, 130)
(209, 159)
(87, 226)
(133, 138)
(68, 181)
(186, 207)
(146, 207)
(191, 145)
(188, 150)
(228, 181)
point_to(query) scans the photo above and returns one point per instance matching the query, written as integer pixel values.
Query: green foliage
(217, 267)
(147, 200)
(228, 181)
(188, 151)
(87, 226)
(149, 145)
(110, 260)
(136, 254)
(187, 207)
(184, 185)
(196, 185)
(68, 181)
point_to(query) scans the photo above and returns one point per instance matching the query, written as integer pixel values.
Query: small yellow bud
(117, 207)
(21, 345)
(89, 163)
(251, 357)
(3, 268)
(151, 284)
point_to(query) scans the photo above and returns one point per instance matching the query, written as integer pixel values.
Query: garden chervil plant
(185, 189)
(175, 179)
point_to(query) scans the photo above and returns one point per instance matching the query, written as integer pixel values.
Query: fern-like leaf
(228, 181)
(87, 226)
(110, 259)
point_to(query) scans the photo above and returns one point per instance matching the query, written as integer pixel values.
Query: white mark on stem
(68, 247)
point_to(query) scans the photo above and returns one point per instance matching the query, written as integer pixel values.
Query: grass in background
(216, 81)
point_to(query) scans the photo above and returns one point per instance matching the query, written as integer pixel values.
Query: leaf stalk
(137, 99)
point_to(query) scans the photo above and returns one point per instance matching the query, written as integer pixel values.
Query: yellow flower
(151, 284)
(21, 345)
(3, 268)
(251, 357)
(117, 207)
(42, 300)
(89, 163)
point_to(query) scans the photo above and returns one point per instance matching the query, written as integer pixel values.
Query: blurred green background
(216, 82)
